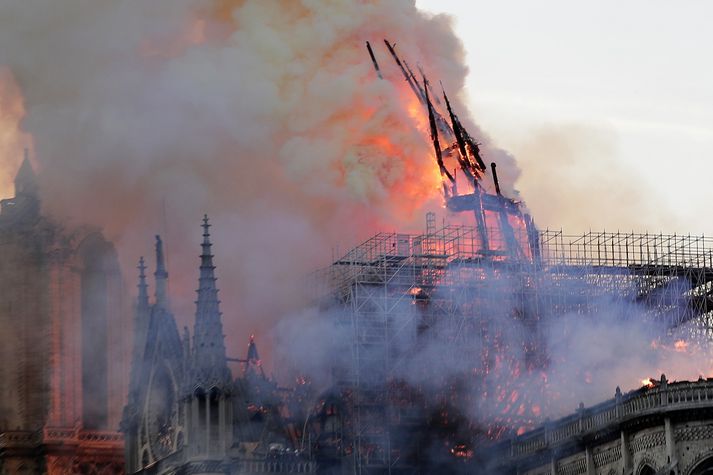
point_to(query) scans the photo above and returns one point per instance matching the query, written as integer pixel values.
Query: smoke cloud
(268, 116)
(573, 181)
(501, 372)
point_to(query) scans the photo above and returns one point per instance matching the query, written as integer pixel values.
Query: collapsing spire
(161, 276)
(209, 361)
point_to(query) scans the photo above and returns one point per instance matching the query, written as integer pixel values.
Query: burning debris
(497, 218)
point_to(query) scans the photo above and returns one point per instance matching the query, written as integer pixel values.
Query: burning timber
(464, 152)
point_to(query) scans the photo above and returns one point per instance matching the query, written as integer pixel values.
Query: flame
(681, 346)
(12, 138)
(648, 383)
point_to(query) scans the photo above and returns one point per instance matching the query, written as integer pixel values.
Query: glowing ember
(462, 451)
(681, 346)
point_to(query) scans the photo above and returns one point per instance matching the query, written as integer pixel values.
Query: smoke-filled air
(269, 117)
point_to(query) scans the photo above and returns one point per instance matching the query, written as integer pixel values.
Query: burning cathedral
(441, 339)
(440, 348)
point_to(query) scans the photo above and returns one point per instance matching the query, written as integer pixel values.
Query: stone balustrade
(661, 398)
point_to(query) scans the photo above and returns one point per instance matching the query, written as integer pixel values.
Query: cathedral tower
(64, 379)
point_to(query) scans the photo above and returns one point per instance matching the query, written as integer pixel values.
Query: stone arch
(646, 468)
(145, 460)
(703, 466)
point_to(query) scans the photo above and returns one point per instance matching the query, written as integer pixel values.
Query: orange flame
(12, 138)
(681, 346)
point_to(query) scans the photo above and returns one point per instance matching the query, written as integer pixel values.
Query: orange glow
(171, 46)
(648, 382)
(681, 346)
(12, 138)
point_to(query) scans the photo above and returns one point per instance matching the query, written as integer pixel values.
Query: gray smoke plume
(503, 371)
(266, 115)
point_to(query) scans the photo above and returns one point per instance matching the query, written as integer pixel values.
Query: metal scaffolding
(393, 283)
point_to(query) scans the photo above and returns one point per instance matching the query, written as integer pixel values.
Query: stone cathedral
(63, 376)
(186, 413)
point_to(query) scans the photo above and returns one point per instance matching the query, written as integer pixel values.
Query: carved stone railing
(269, 466)
(110, 439)
(662, 397)
(19, 438)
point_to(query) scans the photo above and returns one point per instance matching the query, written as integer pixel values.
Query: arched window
(704, 468)
(647, 470)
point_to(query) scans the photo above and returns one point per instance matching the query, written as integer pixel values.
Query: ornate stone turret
(209, 365)
(209, 403)
(253, 364)
(143, 299)
(141, 321)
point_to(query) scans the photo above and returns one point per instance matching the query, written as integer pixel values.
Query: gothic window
(214, 422)
(161, 413)
(647, 470)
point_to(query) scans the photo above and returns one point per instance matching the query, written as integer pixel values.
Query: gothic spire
(141, 323)
(143, 299)
(253, 364)
(161, 276)
(209, 361)
(26, 180)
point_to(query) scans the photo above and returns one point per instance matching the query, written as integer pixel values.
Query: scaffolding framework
(455, 287)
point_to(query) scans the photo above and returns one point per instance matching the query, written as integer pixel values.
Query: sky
(607, 106)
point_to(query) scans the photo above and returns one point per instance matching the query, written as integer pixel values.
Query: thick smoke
(266, 115)
(499, 370)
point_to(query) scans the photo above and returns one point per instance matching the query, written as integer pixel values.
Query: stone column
(591, 469)
(207, 424)
(194, 428)
(670, 441)
(626, 464)
(221, 425)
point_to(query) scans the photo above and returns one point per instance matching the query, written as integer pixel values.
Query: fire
(681, 346)
(12, 138)
(462, 451)
(648, 382)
